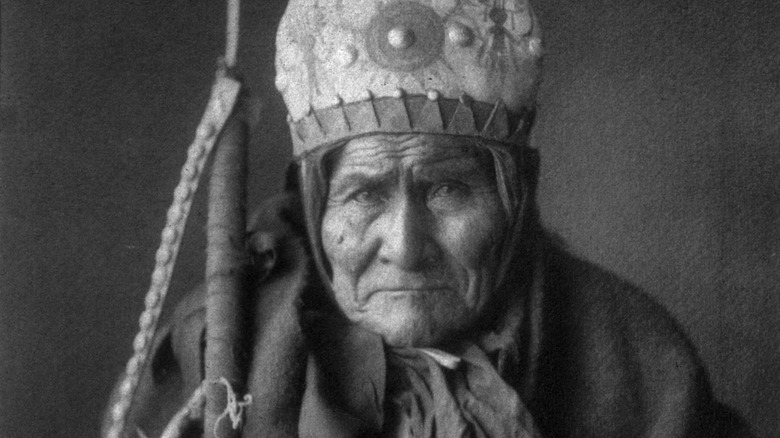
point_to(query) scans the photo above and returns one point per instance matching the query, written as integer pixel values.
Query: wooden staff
(226, 263)
(226, 266)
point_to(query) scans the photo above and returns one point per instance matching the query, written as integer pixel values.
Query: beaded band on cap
(410, 114)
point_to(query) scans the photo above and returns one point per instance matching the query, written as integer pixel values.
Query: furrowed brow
(457, 169)
(342, 183)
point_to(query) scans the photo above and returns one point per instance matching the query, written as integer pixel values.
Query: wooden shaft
(226, 263)
(232, 31)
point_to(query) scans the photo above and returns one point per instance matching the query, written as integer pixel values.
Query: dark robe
(588, 354)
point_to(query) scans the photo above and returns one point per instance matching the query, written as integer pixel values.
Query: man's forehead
(386, 151)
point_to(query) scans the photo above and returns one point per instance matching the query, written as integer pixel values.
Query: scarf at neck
(357, 387)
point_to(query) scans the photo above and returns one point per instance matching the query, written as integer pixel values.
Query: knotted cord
(234, 409)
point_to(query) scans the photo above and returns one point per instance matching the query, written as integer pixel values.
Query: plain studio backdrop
(658, 130)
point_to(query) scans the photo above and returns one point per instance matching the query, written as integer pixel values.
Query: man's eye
(449, 190)
(367, 196)
(448, 196)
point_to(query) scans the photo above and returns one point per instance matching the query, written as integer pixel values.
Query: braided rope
(224, 94)
(192, 411)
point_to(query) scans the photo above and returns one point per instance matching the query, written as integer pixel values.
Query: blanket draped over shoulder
(573, 352)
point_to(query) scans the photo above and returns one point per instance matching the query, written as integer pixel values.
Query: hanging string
(234, 409)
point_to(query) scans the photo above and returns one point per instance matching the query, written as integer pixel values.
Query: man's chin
(412, 328)
(407, 337)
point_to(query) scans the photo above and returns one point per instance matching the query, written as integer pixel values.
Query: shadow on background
(660, 156)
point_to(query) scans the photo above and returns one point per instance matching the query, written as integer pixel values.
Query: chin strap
(225, 259)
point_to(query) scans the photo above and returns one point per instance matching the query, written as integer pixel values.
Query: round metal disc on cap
(460, 34)
(400, 37)
(405, 36)
(345, 55)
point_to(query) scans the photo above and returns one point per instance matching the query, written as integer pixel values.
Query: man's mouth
(411, 289)
(406, 290)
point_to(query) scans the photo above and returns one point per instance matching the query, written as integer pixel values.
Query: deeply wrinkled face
(412, 230)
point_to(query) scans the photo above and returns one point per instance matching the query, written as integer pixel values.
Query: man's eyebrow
(457, 168)
(357, 178)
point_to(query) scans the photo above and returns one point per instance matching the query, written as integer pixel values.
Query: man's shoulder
(616, 360)
(609, 305)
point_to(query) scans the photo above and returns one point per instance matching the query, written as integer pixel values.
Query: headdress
(349, 68)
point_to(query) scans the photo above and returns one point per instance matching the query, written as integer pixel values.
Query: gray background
(658, 127)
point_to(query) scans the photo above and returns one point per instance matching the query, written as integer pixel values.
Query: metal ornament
(405, 36)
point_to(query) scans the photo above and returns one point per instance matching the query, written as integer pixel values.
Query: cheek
(332, 235)
(472, 242)
(473, 239)
(334, 238)
(343, 241)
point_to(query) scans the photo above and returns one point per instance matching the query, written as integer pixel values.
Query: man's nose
(407, 236)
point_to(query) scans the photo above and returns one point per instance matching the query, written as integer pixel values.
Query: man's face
(412, 231)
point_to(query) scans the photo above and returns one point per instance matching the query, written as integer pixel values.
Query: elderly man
(404, 286)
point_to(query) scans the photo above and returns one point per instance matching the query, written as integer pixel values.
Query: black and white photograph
(390, 218)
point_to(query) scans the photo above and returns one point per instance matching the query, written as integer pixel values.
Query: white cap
(348, 68)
